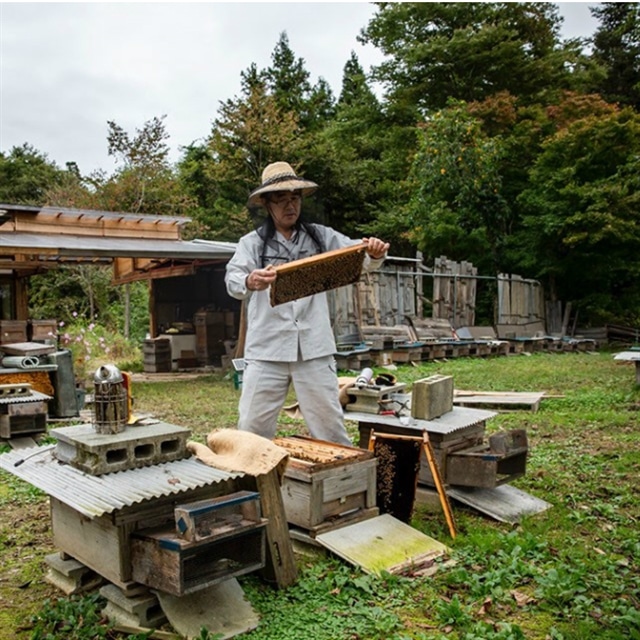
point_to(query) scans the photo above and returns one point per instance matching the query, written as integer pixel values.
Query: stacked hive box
(327, 485)
(12, 331)
(157, 355)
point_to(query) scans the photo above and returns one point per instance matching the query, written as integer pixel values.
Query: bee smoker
(111, 410)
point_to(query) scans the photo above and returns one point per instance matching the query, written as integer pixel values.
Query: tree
(581, 221)
(250, 131)
(468, 51)
(25, 176)
(287, 80)
(457, 207)
(616, 46)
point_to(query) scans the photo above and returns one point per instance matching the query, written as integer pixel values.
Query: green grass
(570, 573)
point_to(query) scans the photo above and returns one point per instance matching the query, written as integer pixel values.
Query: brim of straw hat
(306, 187)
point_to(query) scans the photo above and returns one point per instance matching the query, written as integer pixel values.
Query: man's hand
(376, 248)
(260, 279)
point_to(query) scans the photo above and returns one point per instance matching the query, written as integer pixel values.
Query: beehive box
(323, 272)
(201, 519)
(327, 485)
(157, 355)
(39, 330)
(12, 331)
(162, 559)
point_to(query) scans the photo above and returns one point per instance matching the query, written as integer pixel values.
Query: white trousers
(264, 390)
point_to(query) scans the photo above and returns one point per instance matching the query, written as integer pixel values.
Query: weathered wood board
(382, 544)
(505, 400)
(323, 272)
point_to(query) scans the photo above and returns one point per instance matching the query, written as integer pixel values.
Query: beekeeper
(292, 342)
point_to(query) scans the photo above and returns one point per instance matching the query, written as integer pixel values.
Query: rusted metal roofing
(95, 496)
(68, 246)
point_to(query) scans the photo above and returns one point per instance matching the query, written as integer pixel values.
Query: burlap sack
(242, 451)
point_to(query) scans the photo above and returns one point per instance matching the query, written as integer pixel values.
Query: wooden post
(281, 566)
(437, 478)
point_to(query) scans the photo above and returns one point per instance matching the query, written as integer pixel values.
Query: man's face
(285, 207)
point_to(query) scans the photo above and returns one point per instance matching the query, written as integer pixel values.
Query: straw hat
(279, 176)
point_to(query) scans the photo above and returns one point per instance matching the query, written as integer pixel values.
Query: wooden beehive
(326, 485)
(326, 271)
(162, 559)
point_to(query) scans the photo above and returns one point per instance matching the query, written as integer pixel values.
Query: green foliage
(468, 51)
(456, 209)
(25, 176)
(616, 45)
(85, 292)
(74, 618)
(329, 601)
(581, 217)
(93, 345)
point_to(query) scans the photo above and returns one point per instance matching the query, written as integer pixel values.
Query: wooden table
(631, 356)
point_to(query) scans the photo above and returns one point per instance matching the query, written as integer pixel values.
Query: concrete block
(432, 397)
(136, 446)
(71, 576)
(143, 610)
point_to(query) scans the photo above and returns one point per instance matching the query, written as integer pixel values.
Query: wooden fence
(404, 287)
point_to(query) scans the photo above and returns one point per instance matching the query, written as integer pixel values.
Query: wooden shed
(184, 275)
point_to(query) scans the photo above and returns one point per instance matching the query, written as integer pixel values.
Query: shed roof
(139, 246)
(53, 247)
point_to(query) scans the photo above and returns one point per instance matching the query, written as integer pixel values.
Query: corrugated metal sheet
(90, 246)
(95, 214)
(94, 496)
(458, 418)
(34, 396)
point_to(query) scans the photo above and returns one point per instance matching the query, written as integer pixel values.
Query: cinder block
(432, 397)
(71, 576)
(143, 610)
(136, 446)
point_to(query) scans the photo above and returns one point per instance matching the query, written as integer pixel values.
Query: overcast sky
(68, 68)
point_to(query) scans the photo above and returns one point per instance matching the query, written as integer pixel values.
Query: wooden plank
(323, 272)
(498, 399)
(281, 565)
(381, 544)
(95, 542)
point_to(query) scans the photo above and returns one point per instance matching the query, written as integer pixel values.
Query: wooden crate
(326, 485)
(211, 332)
(19, 418)
(156, 355)
(199, 520)
(444, 444)
(323, 272)
(502, 459)
(163, 560)
(42, 330)
(12, 331)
